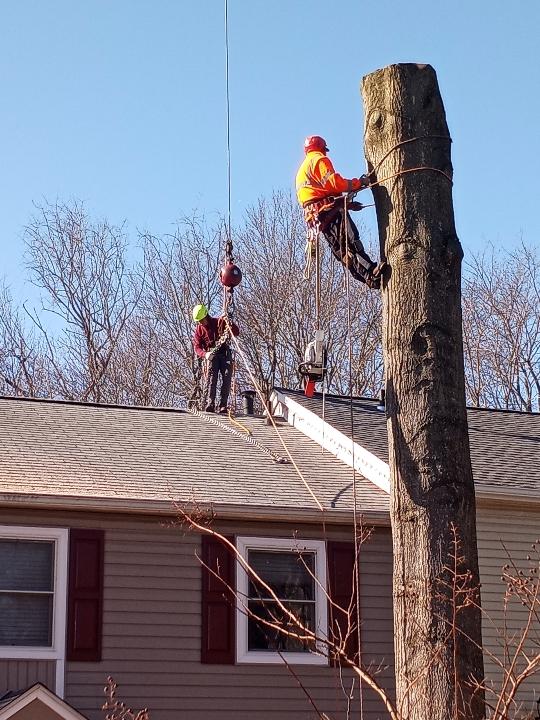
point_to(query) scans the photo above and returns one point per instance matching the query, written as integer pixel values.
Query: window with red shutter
(295, 571)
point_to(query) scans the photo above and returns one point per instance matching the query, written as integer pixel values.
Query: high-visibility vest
(317, 179)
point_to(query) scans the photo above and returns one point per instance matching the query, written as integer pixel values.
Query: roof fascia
(44, 695)
(342, 447)
(167, 508)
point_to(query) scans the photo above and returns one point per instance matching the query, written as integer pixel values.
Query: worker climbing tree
(326, 198)
(438, 640)
(320, 189)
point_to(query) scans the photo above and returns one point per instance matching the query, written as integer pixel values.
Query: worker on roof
(212, 343)
(319, 190)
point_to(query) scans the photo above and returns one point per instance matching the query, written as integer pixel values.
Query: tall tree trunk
(437, 628)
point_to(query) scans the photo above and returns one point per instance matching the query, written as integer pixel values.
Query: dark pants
(333, 229)
(219, 364)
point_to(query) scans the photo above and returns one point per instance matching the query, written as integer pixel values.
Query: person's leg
(361, 262)
(226, 366)
(332, 228)
(213, 372)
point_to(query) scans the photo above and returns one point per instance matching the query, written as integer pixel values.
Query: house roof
(505, 445)
(38, 701)
(86, 456)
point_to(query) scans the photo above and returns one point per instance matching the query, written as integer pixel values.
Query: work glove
(207, 355)
(364, 181)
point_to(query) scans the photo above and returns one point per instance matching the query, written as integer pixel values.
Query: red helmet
(315, 142)
(230, 275)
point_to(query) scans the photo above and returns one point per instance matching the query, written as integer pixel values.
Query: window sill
(273, 658)
(8, 652)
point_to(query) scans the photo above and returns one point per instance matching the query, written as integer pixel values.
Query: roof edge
(85, 403)
(38, 691)
(340, 445)
(166, 508)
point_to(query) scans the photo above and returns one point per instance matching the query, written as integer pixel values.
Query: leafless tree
(117, 710)
(106, 333)
(24, 369)
(501, 319)
(81, 266)
(180, 271)
(432, 486)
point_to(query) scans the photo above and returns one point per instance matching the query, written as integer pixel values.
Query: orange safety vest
(316, 179)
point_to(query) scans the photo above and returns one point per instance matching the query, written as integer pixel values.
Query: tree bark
(437, 627)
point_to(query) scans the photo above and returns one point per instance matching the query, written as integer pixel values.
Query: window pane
(289, 574)
(26, 565)
(262, 637)
(26, 619)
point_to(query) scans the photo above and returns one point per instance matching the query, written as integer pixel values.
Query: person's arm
(333, 181)
(198, 342)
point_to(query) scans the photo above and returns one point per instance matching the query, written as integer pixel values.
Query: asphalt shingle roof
(152, 456)
(505, 445)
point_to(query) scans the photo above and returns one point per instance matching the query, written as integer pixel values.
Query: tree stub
(437, 635)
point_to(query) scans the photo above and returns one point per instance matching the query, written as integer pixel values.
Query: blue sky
(121, 103)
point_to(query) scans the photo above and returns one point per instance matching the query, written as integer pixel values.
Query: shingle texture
(153, 456)
(505, 446)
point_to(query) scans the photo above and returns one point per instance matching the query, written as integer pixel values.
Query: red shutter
(218, 603)
(85, 595)
(340, 587)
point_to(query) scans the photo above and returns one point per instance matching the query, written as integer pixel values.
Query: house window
(296, 573)
(33, 570)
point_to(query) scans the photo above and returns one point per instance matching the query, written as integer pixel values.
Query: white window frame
(318, 547)
(57, 650)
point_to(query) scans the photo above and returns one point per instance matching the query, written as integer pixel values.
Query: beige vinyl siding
(152, 631)
(515, 530)
(21, 674)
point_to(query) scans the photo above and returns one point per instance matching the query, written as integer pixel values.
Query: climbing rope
(228, 107)
(228, 290)
(242, 435)
(357, 534)
(270, 418)
(234, 421)
(408, 170)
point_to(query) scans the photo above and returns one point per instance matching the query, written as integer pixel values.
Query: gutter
(166, 508)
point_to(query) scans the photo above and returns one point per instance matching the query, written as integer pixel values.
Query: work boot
(210, 408)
